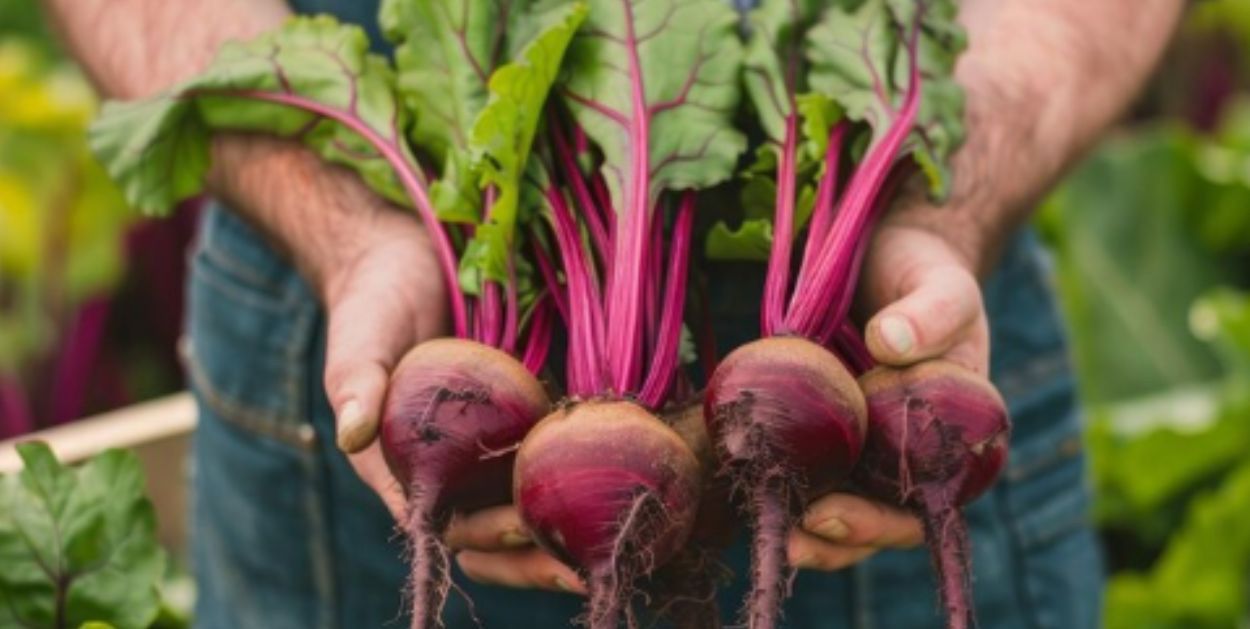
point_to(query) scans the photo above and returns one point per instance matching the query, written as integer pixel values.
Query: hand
(922, 293)
(371, 263)
(381, 301)
(493, 547)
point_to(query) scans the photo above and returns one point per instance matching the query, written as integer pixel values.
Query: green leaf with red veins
(774, 67)
(445, 53)
(860, 60)
(655, 83)
(311, 80)
(503, 133)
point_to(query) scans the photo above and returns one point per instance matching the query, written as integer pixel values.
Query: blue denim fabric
(285, 535)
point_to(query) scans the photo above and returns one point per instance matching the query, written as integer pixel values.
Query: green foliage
(1150, 236)
(455, 90)
(61, 218)
(752, 240)
(503, 133)
(158, 149)
(688, 57)
(78, 545)
(773, 69)
(1200, 580)
(1130, 264)
(859, 59)
(820, 63)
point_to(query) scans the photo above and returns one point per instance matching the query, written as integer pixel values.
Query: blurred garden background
(1151, 249)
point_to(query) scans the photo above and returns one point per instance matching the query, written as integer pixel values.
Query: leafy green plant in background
(78, 544)
(1151, 237)
(61, 219)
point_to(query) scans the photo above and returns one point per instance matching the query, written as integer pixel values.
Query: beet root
(788, 421)
(937, 439)
(682, 593)
(455, 413)
(611, 490)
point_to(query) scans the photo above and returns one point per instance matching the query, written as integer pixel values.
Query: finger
(493, 529)
(937, 312)
(366, 336)
(850, 520)
(810, 552)
(531, 568)
(371, 468)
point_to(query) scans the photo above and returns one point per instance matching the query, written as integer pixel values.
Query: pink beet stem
(652, 279)
(539, 342)
(665, 360)
(849, 345)
(590, 208)
(826, 192)
(623, 299)
(778, 279)
(586, 321)
(557, 290)
(826, 285)
(511, 310)
(408, 172)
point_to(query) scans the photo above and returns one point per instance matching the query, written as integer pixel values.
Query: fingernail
(806, 561)
(354, 431)
(514, 539)
(897, 334)
(832, 529)
(564, 585)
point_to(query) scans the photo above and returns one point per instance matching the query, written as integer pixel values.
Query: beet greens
(643, 122)
(456, 409)
(869, 85)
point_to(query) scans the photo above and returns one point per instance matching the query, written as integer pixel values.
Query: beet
(788, 421)
(611, 490)
(937, 440)
(454, 415)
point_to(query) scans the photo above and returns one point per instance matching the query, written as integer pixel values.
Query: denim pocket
(251, 323)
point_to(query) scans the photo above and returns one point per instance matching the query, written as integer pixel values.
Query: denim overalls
(285, 535)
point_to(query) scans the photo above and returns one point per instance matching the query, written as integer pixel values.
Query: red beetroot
(454, 414)
(937, 439)
(788, 421)
(613, 512)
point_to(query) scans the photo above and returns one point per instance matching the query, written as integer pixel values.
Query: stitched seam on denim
(861, 603)
(1019, 561)
(285, 428)
(319, 542)
(240, 270)
(1069, 447)
(1056, 517)
(250, 297)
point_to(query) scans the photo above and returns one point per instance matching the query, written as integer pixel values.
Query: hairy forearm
(1043, 81)
(135, 48)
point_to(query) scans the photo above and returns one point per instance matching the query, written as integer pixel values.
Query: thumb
(368, 331)
(357, 364)
(939, 314)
